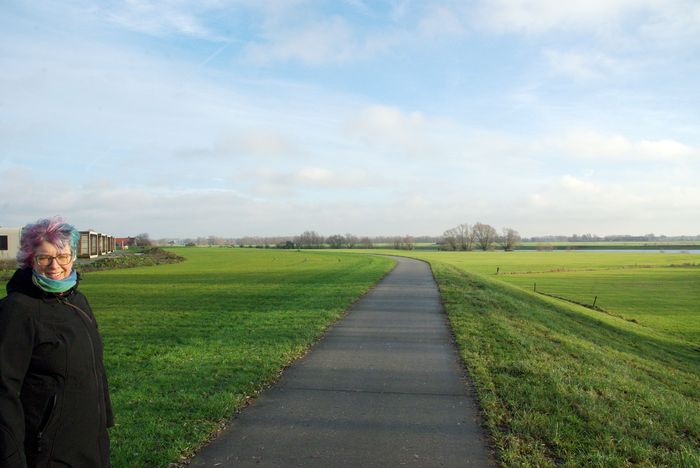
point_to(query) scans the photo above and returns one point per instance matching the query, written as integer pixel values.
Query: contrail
(213, 55)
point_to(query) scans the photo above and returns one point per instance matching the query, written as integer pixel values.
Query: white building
(9, 242)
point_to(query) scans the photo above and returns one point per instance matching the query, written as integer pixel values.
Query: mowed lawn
(187, 344)
(561, 384)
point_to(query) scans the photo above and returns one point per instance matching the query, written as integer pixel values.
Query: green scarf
(55, 286)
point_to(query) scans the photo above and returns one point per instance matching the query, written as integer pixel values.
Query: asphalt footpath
(384, 387)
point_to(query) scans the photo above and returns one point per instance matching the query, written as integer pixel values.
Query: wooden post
(594, 301)
(534, 288)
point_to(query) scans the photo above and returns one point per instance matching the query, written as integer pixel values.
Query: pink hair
(54, 230)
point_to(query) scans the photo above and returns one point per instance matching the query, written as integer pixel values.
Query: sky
(241, 118)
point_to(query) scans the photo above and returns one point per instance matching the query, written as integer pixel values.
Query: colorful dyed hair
(54, 230)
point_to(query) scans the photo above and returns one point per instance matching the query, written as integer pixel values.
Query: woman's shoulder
(21, 282)
(17, 305)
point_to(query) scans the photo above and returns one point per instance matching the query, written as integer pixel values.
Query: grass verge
(563, 385)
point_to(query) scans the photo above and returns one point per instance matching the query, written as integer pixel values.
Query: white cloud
(583, 66)
(315, 175)
(574, 204)
(441, 21)
(393, 131)
(574, 185)
(591, 144)
(666, 149)
(331, 40)
(539, 16)
(160, 18)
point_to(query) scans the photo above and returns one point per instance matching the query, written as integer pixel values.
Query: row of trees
(313, 240)
(479, 236)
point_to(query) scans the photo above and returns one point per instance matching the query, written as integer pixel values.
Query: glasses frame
(52, 258)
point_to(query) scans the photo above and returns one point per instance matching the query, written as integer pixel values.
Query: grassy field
(562, 384)
(187, 344)
(661, 291)
(559, 384)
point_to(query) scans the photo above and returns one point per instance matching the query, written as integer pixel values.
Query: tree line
(452, 239)
(479, 236)
(313, 240)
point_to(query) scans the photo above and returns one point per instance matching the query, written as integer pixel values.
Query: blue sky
(233, 118)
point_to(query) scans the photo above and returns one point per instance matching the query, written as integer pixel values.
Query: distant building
(123, 243)
(9, 242)
(93, 244)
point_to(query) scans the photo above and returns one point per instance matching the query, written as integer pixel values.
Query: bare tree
(309, 240)
(335, 241)
(510, 239)
(350, 241)
(484, 235)
(366, 243)
(464, 237)
(143, 240)
(450, 240)
(404, 243)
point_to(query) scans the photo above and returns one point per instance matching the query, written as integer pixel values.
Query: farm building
(123, 243)
(9, 242)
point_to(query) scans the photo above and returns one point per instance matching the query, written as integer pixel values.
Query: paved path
(384, 387)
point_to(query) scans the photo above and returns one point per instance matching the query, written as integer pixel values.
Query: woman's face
(47, 258)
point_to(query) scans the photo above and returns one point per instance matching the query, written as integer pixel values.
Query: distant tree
(510, 239)
(350, 241)
(215, 240)
(335, 241)
(309, 240)
(460, 237)
(449, 240)
(404, 243)
(484, 235)
(465, 237)
(143, 240)
(366, 243)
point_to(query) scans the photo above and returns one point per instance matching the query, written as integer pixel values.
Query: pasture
(563, 384)
(655, 290)
(187, 344)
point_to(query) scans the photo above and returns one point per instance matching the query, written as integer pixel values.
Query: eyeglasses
(46, 260)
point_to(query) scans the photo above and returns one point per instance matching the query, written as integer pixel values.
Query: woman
(54, 402)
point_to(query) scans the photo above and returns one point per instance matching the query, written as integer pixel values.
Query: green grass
(187, 344)
(661, 291)
(561, 384)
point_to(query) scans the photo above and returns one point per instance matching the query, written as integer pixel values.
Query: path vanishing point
(384, 387)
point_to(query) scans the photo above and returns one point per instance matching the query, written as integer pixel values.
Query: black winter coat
(54, 402)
